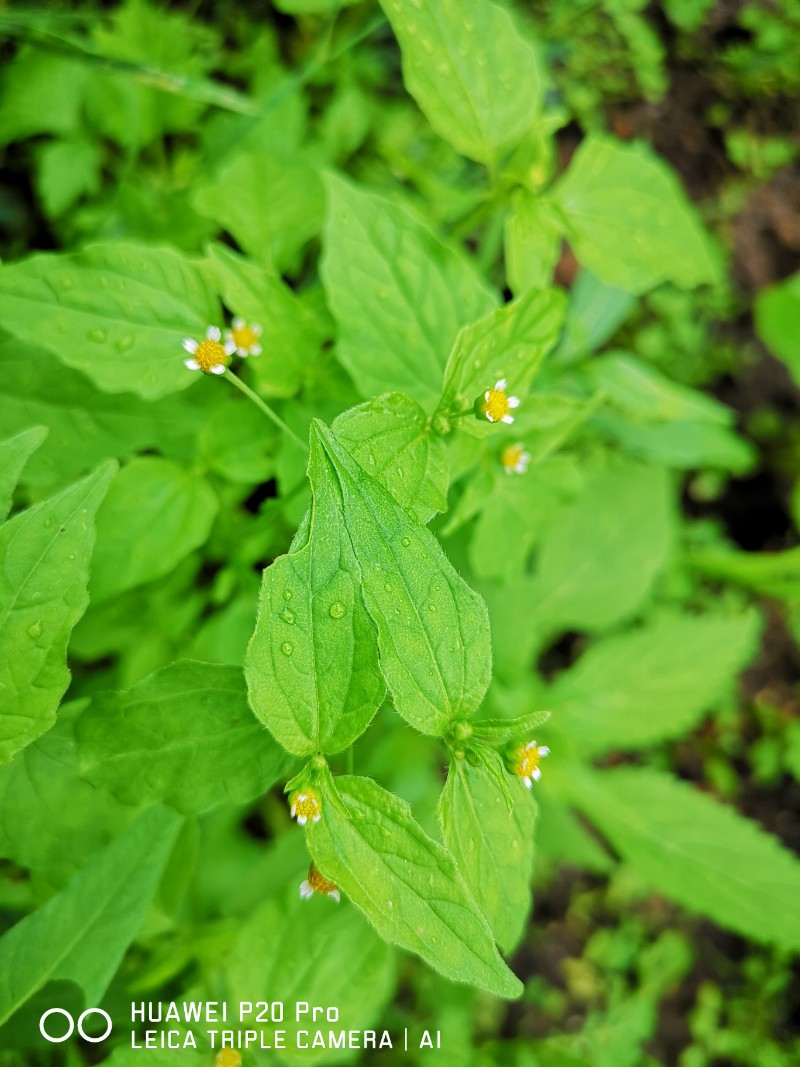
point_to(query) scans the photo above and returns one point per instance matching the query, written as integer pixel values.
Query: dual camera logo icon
(44, 1031)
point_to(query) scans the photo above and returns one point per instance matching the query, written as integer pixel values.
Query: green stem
(264, 406)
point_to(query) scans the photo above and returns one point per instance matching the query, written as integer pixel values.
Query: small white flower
(244, 338)
(208, 355)
(316, 883)
(524, 762)
(496, 405)
(515, 459)
(305, 805)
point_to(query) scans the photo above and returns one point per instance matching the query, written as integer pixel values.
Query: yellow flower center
(511, 457)
(210, 354)
(526, 761)
(228, 1057)
(318, 883)
(244, 336)
(495, 405)
(307, 803)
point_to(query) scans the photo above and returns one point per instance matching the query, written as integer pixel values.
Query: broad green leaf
(14, 454)
(391, 438)
(314, 951)
(40, 93)
(156, 512)
(433, 630)
(399, 296)
(81, 934)
(271, 204)
(653, 683)
(628, 220)
(510, 343)
(777, 313)
(599, 556)
(409, 888)
(312, 664)
(66, 171)
(519, 728)
(291, 337)
(183, 736)
(697, 851)
(41, 790)
(532, 242)
(44, 566)
(595, 313)
(492, 846)
(118, 312)
(562, 838)
(680, 445)
(312, 7)
(481, 99)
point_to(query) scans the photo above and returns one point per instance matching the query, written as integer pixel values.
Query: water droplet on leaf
(288, 615)
(287, 648)
(35, 630)
(337, 610)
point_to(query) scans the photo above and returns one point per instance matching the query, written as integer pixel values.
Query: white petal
(500, 385)
(242, 352)
(536, 775)
(238, 322)
(530, 745)
(192, 364)
(488, 416)
(544, 751)
(230, 348)
(305, 889)
(293, 811)
(317, 817)
(219, 369)
(213, 333)
(302, 820)
(486, 394)
(189, 345)
(527, 782)
(302, 796)
(337, 896)
(507, 418)
(255, 350)
(513, 401)
(256, 329)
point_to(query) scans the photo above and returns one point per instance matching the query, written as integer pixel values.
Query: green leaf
(697, 851)
(433, 630)
(680, 445)
(291, 337)
(629, 221)
(777, 312)
(118, 312)
(314, 951)
(40, 93)
(391, 438)
(492, 846)
(399, 296)
(155, 514)
(599, 556)
(409, 888)
(312, 664)
(772, 573)
(510, 342)
(595, 313)
(519, 728)
(272, 204)
(183, 736)
(532, 242)
(14, 454)
(66, 171)
(44, 566)
(81, 934)
(650, 684)
(41, 789)
(482, 100)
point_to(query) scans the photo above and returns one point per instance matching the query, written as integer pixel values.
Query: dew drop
(288, 594)
(287, 648)
(124, 343)
(387, 586)
(337, 610)
(35, 630)
(67, 282)
(432, 607)
(98, 335)
(406, 542)
(48, 522)
(288, 615)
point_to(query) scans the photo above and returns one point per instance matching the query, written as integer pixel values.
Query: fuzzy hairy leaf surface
(312, 663)
(369, 843)
(492, 846)
(45, 554)
(433, 630)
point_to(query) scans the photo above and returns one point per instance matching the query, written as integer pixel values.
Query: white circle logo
(71, 1021)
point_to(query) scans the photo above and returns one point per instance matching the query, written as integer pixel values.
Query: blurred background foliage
(213, 120)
